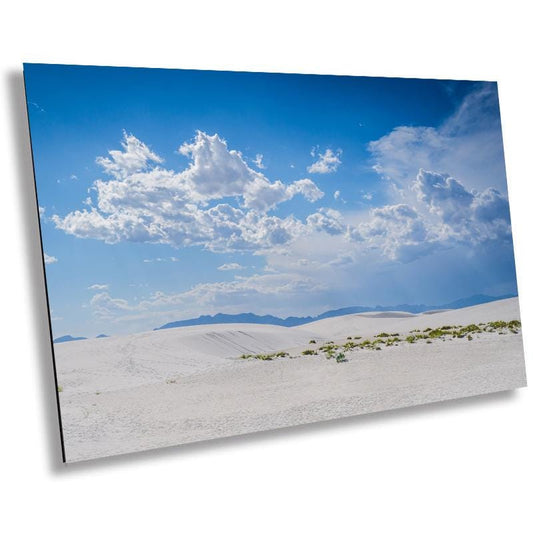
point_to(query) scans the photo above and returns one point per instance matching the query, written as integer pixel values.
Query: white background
(460, 466)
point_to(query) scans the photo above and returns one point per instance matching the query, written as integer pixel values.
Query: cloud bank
(144, 202)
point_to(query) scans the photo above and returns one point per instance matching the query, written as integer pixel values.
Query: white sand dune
(168, 387)
(364, 324)
(117, 362)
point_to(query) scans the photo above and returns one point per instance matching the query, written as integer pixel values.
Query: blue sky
(166, 194)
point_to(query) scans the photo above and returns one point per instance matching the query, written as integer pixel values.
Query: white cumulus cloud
(326, 162)
(49, 259)
(144, 202)
(258, 161)
(466, 215)
(328, 220)
(468, 144)
(230, 266)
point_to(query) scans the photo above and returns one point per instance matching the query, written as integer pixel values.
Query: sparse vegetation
(338, 351)
(340, 358)
(264, 356)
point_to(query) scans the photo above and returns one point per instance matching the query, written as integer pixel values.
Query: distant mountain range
(251, 318)
(69, 338)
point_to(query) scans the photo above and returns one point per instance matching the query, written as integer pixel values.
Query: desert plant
(340, 358)
(264, 356)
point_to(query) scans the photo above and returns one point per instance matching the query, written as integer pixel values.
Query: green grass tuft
(264, 356)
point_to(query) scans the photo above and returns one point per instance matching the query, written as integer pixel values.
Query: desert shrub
(340, 358)
(312, 341)
(309, 352)
(471, 328)
(435, 333)
(383, 335)
(410, 339)
(59, 388)
(498, 324)
(264, 356)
